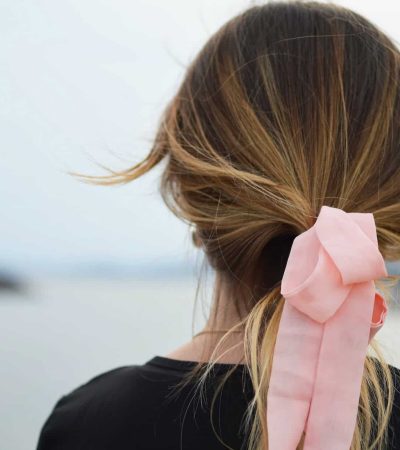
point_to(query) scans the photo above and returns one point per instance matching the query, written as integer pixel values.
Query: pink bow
(330, 314)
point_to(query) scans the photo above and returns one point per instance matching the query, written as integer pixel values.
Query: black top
(135, 408)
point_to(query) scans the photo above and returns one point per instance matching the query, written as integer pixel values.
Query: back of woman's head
(288, 107)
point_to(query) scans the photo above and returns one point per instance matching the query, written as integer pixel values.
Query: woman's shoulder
(109, 406)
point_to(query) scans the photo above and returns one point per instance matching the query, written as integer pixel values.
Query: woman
(281, 144)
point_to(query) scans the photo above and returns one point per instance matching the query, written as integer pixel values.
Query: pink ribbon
(331, 312)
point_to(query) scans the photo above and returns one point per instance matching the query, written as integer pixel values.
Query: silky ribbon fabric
(331, 312)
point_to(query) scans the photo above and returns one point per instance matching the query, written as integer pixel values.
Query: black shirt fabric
(136, 407)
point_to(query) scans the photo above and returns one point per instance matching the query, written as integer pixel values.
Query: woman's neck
(223, 317)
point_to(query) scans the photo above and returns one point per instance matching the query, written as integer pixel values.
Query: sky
(84, 82)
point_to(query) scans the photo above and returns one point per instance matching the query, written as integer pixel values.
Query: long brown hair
(289, 106)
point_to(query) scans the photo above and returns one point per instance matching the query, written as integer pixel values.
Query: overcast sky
(85, 80)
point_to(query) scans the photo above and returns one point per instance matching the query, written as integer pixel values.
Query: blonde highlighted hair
(289, 106)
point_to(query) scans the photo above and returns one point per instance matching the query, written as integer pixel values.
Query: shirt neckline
(184, 365)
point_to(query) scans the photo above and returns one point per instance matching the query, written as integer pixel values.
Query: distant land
(10, 274)
(10, 282)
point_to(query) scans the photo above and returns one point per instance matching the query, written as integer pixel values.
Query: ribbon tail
(292, 378)
(334, 407)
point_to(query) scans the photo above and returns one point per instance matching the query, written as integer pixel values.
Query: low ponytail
(261, 326)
